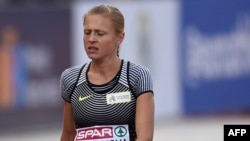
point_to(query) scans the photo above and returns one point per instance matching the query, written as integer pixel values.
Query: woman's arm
(68, 131)
(144, 119)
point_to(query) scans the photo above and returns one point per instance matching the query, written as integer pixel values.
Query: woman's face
(100, 39)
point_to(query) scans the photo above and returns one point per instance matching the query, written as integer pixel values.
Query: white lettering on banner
(103, 133)
(218, 56)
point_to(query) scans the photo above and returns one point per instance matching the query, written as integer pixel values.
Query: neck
(105, 67)
(101, 73)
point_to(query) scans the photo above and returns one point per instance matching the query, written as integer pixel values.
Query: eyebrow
(95, 30)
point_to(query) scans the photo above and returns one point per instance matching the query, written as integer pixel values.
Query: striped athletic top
(97, 104)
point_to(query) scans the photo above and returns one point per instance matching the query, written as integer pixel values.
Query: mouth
(92, 49)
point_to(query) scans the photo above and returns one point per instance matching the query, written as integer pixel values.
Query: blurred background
(198, 52)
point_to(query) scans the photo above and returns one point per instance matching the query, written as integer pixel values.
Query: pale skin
(101, 44)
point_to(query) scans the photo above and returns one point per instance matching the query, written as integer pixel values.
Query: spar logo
(120, 131)
(92, 133)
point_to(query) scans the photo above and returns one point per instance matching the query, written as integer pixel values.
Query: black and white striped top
(92, 104)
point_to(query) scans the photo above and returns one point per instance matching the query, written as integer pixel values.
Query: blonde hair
(112, 12)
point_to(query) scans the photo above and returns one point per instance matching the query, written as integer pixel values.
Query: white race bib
(103, 133)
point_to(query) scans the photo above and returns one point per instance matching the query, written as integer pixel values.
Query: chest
(116, 106)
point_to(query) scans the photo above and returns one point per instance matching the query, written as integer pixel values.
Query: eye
(87, 32)
(100, 33)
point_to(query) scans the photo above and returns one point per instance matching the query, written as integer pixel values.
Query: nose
(92, 37)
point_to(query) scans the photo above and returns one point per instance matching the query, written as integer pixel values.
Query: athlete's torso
(111, 104)
(114, 107)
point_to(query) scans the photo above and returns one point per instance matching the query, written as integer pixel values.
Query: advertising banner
(34, 50)
(215, 56)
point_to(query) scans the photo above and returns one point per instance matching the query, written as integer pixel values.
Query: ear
(120, 38)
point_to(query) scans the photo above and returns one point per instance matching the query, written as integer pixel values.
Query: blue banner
(215, 56)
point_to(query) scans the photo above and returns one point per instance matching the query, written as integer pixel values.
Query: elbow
(68, 136)
(145, 138)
